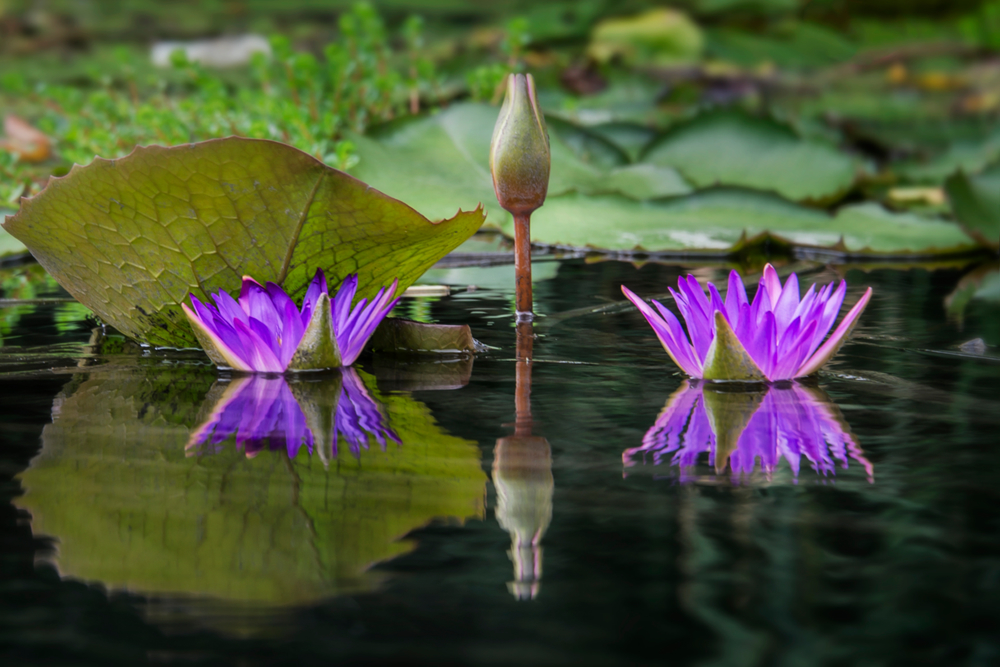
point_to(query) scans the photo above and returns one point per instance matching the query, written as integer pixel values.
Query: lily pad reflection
(131, 506)
(750, 430)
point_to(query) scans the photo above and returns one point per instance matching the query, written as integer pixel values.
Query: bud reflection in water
(746, 427)
(265, 412)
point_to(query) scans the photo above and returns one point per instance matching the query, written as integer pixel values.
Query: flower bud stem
(522, 264)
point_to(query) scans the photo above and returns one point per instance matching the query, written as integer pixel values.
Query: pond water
(855, 521)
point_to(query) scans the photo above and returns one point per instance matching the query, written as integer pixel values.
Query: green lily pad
(131, 238)
(733, 148)
(130, 508)
(432, 161)
(968, 154)
(718, 219)
(976, 203)
(658, 37)
(395, 333)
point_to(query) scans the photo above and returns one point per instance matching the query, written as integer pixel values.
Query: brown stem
(522, 261)
(522, 395)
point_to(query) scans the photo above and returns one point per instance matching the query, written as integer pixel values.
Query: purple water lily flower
(777, 336)
(750, 429)
(261, 412)
(264, 331)
(265, 413)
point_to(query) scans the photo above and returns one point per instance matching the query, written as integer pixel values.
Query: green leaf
(968, 154)
(132, 510)
(976, 203)
(733, 148)
(718, 219)
(397, 334)
(131, 238)
(658, 37)
(430, 162)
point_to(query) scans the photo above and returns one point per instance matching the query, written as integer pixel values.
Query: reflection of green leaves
(716, 220)
(976, 203)
(130, 238)
(129, 509)
(732, 148)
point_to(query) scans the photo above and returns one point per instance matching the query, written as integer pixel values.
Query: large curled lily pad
(131, 238)
(717, 220)
(130, 508)
(733, 148)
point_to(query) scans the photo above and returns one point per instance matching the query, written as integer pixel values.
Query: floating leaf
(733, 148)
(396, 333)
(716, 221)
(130, 509)
(130, 238)
(433, 160)
(968, 154)
(976, 203)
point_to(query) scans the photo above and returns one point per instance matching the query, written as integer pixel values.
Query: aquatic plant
(778, 336)
(263, 412)
(520, 161)
(743, 427)
(265, 332)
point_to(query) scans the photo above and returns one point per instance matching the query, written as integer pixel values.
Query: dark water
(124, 541)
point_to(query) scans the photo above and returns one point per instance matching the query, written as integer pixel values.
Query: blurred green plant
(294, 97)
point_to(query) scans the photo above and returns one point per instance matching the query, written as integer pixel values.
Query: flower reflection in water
(740, 426)
(268, 412)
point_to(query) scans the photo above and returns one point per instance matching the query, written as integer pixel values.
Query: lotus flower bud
(519, 153)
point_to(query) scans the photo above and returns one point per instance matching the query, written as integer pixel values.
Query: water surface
(135, 528)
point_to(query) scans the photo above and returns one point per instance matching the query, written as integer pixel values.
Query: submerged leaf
(130, 238)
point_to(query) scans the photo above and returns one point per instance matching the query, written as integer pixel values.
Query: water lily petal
(316, 287)
(259, 355)
(342, 301)
(772, 284)
(786, 304)
(839, 336)
(668, 329)
(762, 349)
(699, 327)
(214, 345)
(736, 298)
